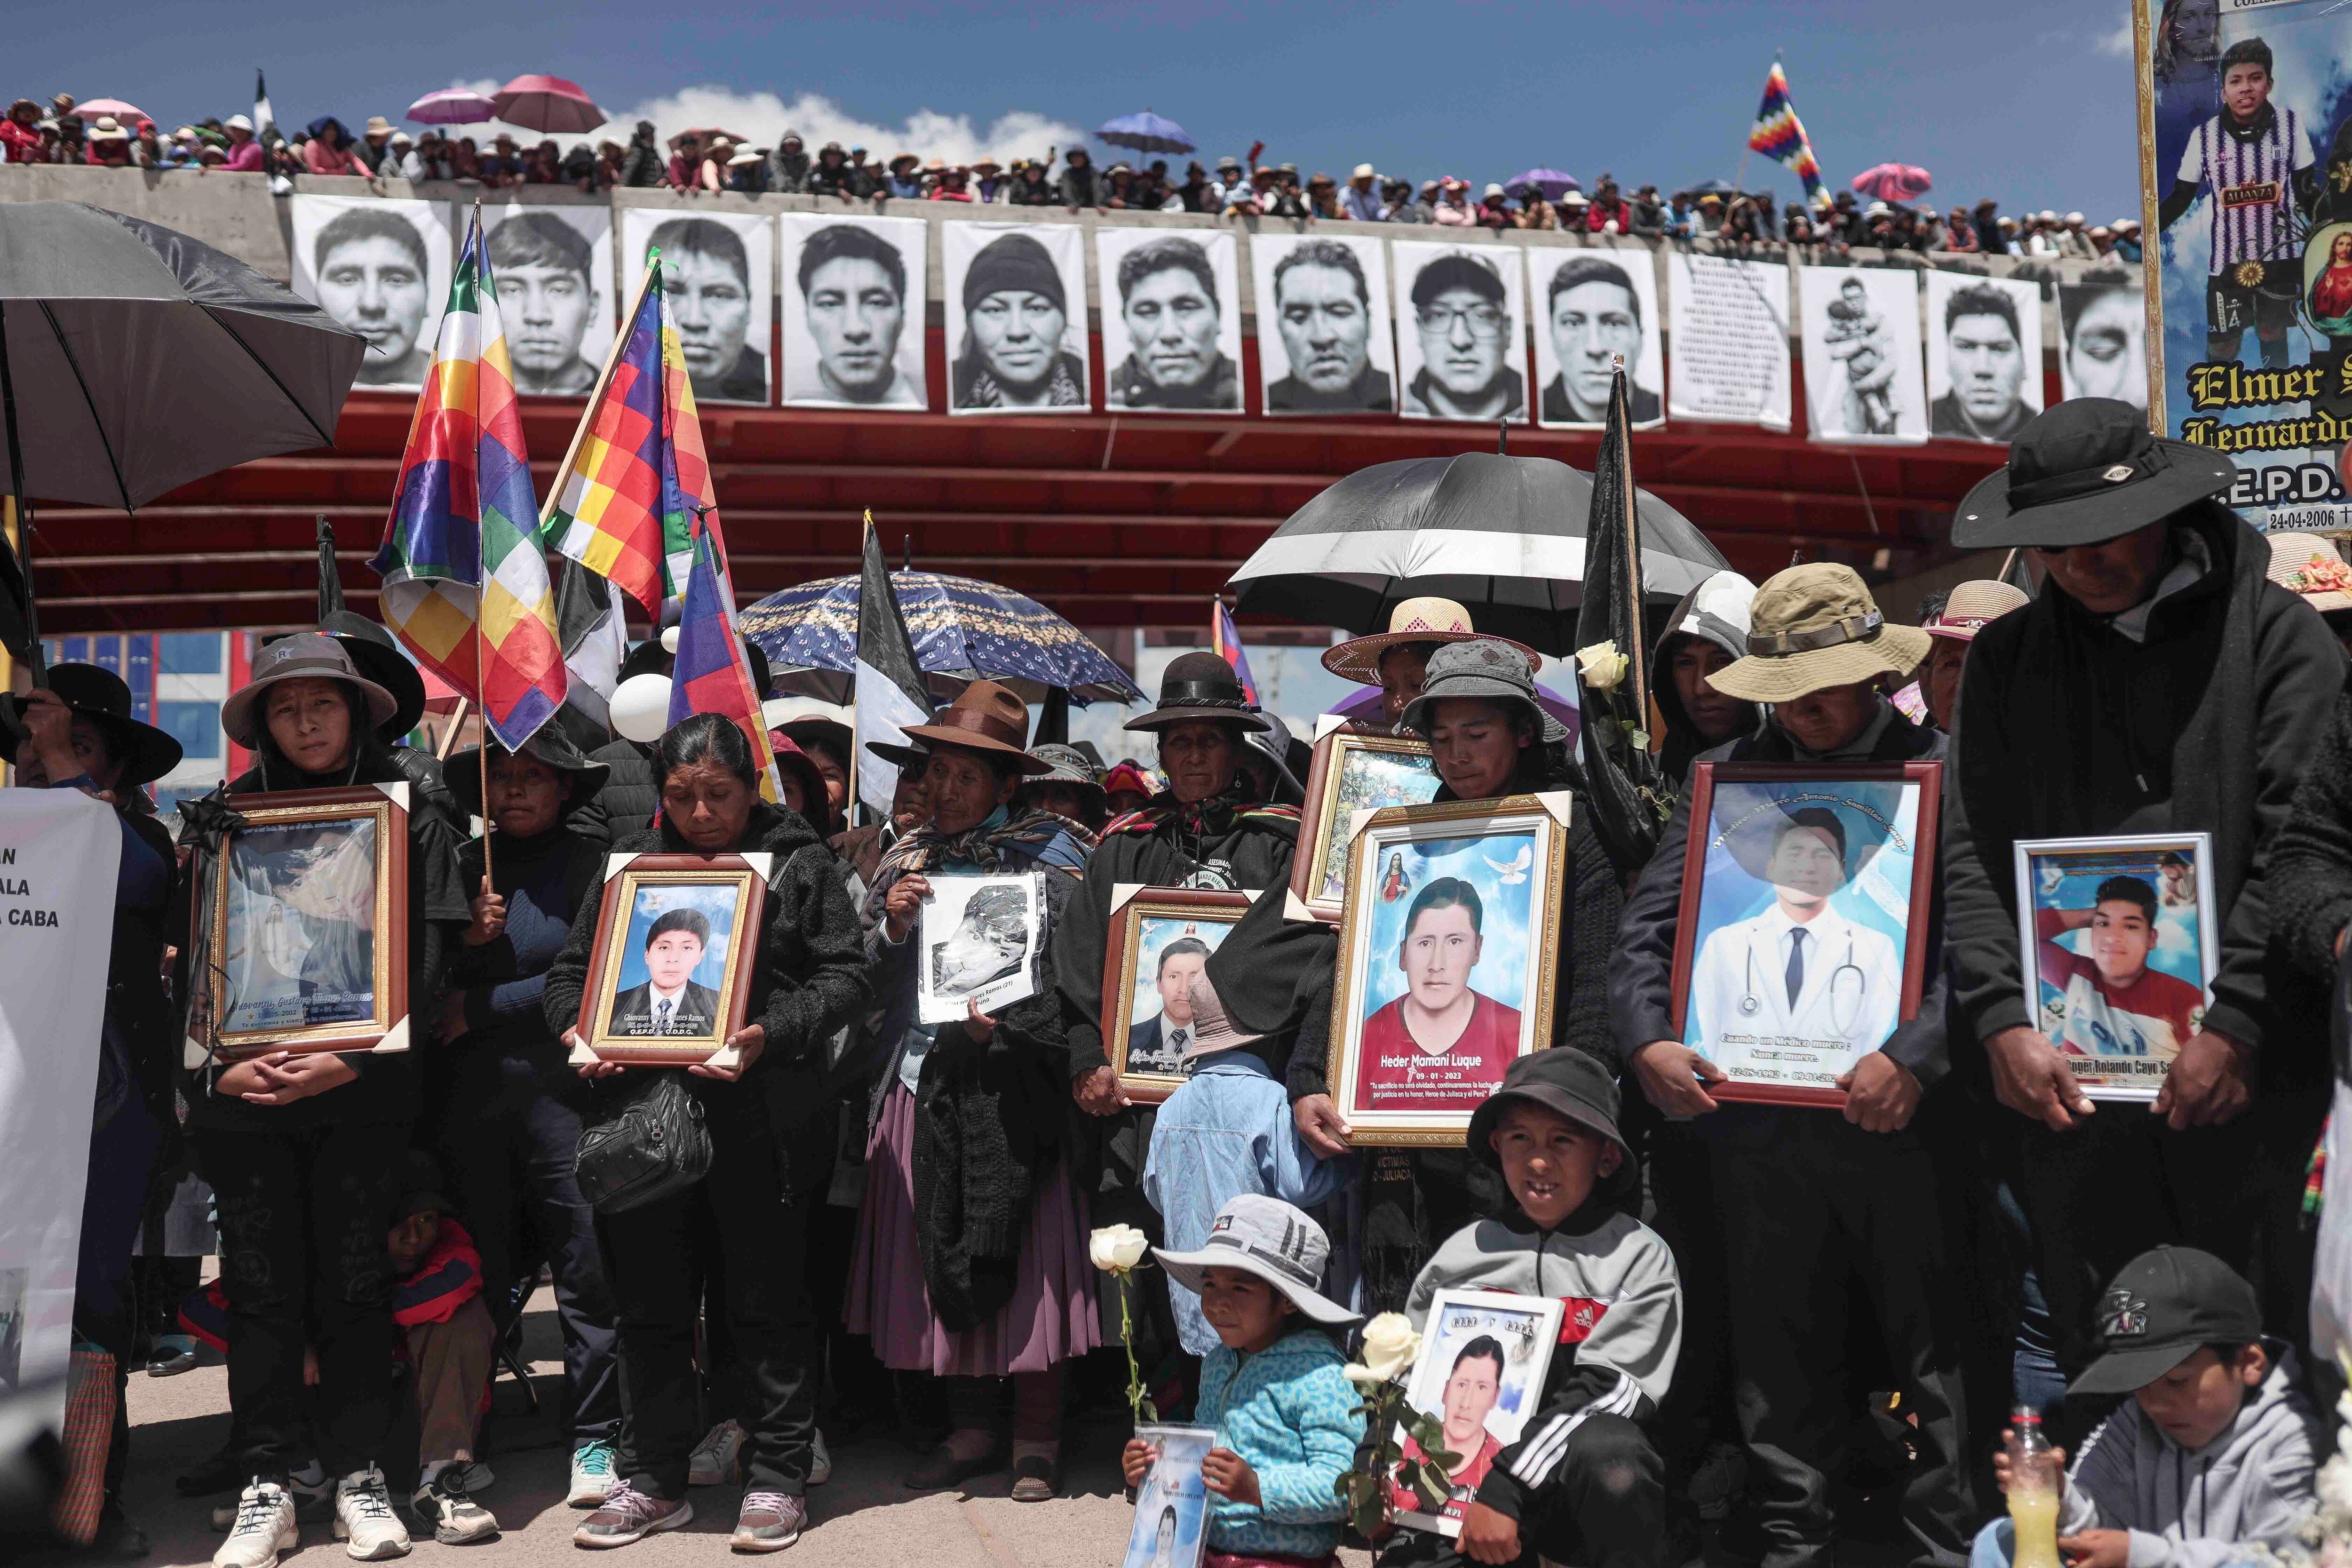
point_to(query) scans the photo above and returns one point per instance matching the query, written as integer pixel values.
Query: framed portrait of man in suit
(671, 968)
(1160, 938)
(1800, 947)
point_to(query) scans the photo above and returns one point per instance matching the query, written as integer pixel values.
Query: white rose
(1389, 1347)
(1116, 1248)
(1601, 665)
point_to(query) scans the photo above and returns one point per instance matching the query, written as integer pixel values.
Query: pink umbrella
(548, 103)
(453, 106)
(1894, 182)
(127, 113)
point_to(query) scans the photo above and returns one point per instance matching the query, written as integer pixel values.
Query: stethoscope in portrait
(1847, 983)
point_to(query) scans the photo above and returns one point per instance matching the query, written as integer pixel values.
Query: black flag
(888, 686)
(1053, 719)
(330, 578)
(1626, 790)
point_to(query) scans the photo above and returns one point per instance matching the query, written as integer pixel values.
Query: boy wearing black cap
(1584, 1483)
(2212, 1453)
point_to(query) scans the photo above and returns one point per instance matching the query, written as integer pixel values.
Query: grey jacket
(2201, 1509)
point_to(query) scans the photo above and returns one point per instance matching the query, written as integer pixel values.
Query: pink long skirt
(1051, 1317)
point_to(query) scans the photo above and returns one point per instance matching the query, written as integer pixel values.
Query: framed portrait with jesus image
(2121, 949)
(669, 975)
(1447, 943)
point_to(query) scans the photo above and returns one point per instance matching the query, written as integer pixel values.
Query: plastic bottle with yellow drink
(2034, 1487)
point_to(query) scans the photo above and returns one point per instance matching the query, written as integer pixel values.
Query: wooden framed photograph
(670, 974)
(308, 906)
(1159, 938)
(2121, 946)
(1354, 771)
(1446, 956)
(1795, 955)
(981, 940)
(1171, 1506)
(1483, 1355)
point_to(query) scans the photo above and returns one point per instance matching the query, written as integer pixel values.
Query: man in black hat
(2160, 683)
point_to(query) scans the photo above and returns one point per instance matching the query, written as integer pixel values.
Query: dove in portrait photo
(1514, 870)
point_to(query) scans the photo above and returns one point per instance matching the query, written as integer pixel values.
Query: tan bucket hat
(1422, 620)
(302, 655)
(1816, 625)
(2308, 566)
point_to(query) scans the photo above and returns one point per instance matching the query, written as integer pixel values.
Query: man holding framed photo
(1809, 1194)
(2160, 683)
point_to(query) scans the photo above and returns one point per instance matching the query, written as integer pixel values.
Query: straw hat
(304, 656)
(2307, 566)
(985, 717)
(1972, 607)
(1813, 626)
(108, 129)
(1422, 620)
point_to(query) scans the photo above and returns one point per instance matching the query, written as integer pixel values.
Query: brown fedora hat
(985, 717)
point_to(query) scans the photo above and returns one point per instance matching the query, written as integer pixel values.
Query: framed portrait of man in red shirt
(1448, 945)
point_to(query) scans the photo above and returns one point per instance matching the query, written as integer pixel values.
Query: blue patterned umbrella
(1146, 133)
(963, 628)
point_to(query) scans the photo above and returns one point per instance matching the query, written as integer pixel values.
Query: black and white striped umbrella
(1503, 536)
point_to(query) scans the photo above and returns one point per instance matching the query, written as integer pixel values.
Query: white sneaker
(363, 1517)
(820, 1462)
(442, 1502)
(714, 1459)
(263, 1528)
(592, 1473)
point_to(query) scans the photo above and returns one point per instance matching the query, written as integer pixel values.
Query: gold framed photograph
(1354, 771)
(1447, 950)
(307, 906)
(669, 975)
(1159, 938)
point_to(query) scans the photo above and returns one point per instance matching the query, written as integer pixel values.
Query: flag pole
(481, 643)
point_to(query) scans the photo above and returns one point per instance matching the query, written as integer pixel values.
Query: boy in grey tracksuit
(1584, 1483)
(2211, 1455)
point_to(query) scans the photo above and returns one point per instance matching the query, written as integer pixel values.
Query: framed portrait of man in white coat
(1802, 945)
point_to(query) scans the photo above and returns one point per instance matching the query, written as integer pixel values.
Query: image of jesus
(1442, 1044)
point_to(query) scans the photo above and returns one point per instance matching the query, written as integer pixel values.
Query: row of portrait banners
(850, 326)
(1798, 950)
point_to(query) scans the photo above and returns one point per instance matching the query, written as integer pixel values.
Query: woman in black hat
(971, 1249)
(78, 734)
(515, 1106)
(304, 1152)
(1015, 311)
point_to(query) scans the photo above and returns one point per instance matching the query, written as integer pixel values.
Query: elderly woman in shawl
(971, 1249)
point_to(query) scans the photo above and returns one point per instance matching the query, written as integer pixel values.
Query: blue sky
(2031, 104)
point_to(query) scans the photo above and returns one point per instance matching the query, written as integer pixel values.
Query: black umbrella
(1503, 536)
(134, 359)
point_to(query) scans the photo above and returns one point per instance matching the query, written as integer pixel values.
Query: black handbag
(656, 1145)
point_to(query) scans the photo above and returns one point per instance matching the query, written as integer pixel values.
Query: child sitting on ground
(1272, 1388)
(2213, 1452)
(449, 1340)
(1584, 1483)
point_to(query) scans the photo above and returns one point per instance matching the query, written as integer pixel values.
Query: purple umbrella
(1366, 704)
(453, 106)
(1146, 133)
(1551, 182)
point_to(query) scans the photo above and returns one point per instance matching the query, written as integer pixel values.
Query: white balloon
(641, 707)
(670, 639)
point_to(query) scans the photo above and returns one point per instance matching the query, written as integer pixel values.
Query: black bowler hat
(1202, 686)
(584, 776)
(2163, 1308)
(98, 695)
(2083, 472)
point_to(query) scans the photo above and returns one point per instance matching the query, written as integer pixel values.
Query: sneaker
(592, 1473)
(770, 1521)
(820, 1461)
(630, 1515)
(363, 1519)
(313, 1493)
(443, 1502)
(714, 1459)
(263, 1527)
(175, 1353)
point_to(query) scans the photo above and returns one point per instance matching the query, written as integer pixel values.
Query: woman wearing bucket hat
(765, 1107)
(971, 1250)
(304, 1152)
(78, 734)
(2160, 683)
(1802, 1193)
(516, 1108)
(1070, 790)
(1396, 660)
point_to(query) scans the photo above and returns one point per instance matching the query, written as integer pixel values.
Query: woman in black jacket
(807, 981)
(305, 1152)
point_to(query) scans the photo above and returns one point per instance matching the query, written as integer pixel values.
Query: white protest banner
(59, 852)
(1729, 344)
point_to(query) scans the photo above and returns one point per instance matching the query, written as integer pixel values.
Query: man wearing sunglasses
(1467, 343)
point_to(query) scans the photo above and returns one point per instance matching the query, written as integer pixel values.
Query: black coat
(808, 979)
(2066, 728)
(628, 800)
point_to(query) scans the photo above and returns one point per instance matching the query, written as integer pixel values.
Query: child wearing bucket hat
(1801, 1191)
(1283, 1413)
(1551, 1132)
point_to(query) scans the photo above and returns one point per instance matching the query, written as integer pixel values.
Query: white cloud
(765, 117)
(2116, 40)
